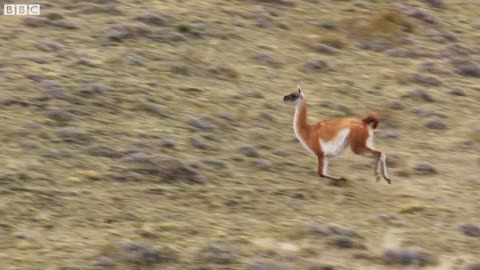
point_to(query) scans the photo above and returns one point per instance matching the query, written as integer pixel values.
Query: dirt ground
(153, 135)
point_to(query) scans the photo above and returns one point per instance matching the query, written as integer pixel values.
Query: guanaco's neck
(300, 123)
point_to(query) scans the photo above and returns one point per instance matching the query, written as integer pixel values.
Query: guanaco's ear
(298, 89)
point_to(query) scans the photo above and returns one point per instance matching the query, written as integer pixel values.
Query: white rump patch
(370, 138)
(337, 145)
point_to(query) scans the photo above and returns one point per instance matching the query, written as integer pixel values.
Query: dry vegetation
(152, 135)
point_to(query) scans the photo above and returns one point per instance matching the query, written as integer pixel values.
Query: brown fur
(328, 130)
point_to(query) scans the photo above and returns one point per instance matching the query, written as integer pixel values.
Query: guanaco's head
(294, 97)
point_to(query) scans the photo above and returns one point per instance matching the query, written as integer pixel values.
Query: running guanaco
(329, 138)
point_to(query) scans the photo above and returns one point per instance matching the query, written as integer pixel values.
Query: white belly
(337, 145)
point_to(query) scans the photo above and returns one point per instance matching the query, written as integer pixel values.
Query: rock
(320, 266)
(457, 91)
(54, 89)
(268, 264)
(396, 105)
(60, 115)
(343, 242)
(375, 44)
(436, 124)
(408, 256)
(103, 151)
(470, 230)
(73, 134)
(64, 24)
(139, 254)
(436, 3)
(167, 143)
(201, 124)
(265, 59)
(179, 68)
(262, 164)
(425, 79)
(324, 49)
(155, 18)
(425, 169)
(422, 14)
(199, 144)
(248, 151)
(92, 89)
(468, 69)
(315, 65)
(341, 231)
(117, 33)
(34, 21)
(86, 62)
(23, 235)
(419, 94)
(473, 266)
(398, 52)
(104, 261)
(154, 108)
(171, 170)
(34, 77)
(317, 229)
(217, 254)
(48, 46)
(136, 157)
(53, 16)
(387, 134)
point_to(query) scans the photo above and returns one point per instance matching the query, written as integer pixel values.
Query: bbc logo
(21, 9)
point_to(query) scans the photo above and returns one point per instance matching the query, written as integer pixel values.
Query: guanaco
(329, 138)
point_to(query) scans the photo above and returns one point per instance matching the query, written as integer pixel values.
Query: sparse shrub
(409, 256)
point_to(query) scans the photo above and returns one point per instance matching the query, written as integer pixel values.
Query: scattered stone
(425, 169)
(398, 52)
(473, 266)
(167, 143)
(171, 170)
(425, 79)
(262, 164)
(23, 235)
(104, 261)
(136, 157)
(267, 264)
(92, 89)
(408, 256)
(436, 3)
(422, 14)
(54, 89)
(324, 49)
(59, 115)
(202, 124)
(103, 151)
(48, 46)
(343, 242)
(375, 44)
(179, 68)
(420, 94)
(397, 105)
(143, 255)
(73, 134)
(470, 230)
(155, 18)
(457, 91)
(199, 144)
(33, 21)
(320, 266)
(436, 124)
(468, 69)
(387, 134)
(64, 24)
(154, 108)
(86, 62)
(117, 33)
(315, 228)
(265, 59)
(315, 65)
(53, 16)
(248, 151)
(342, 231)
(217, 253)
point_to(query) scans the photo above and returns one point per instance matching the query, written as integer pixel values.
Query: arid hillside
(153, 135)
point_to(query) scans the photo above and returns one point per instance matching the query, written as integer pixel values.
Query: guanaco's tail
(371, 119)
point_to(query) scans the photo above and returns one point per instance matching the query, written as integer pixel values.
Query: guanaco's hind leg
(323, 168)
(380, 161)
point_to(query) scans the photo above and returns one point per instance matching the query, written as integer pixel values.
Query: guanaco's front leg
(322, 169)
